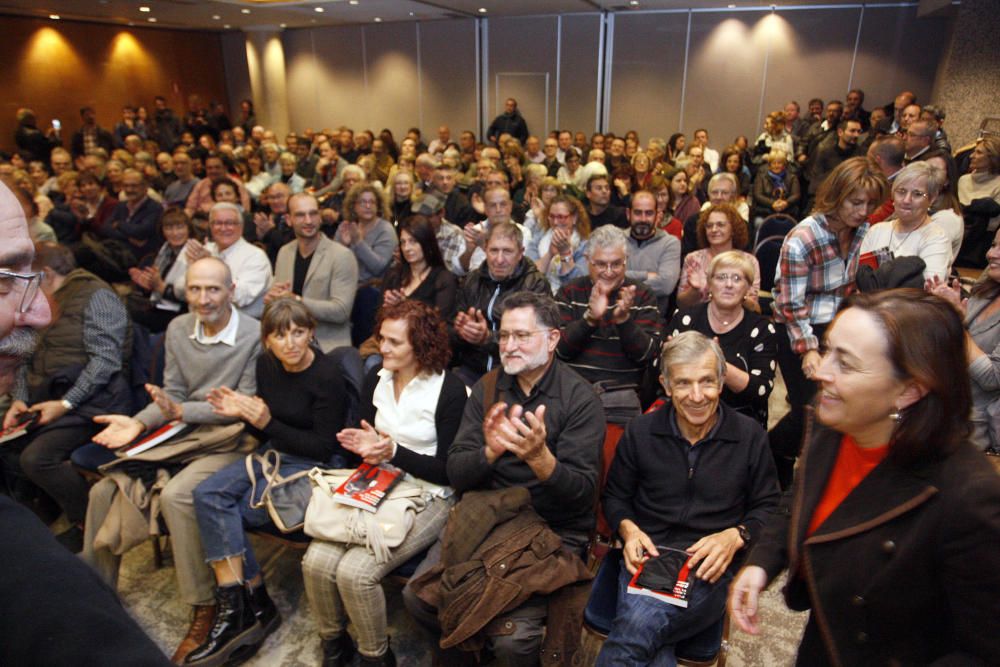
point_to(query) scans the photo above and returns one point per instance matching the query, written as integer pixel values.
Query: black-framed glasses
(32, 283)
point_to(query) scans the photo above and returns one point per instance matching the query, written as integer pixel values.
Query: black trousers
(786, 436)
(44, 460)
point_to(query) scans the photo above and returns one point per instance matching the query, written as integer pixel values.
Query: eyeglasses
(616, 265)
(733, 278)
(716, 225)
(559, 216)
(520, 337)
(903, 193)
(227, 223)
(32, 282)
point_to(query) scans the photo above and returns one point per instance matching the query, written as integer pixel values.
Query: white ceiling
(232, 14)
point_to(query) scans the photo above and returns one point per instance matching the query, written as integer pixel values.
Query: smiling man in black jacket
(694, 476)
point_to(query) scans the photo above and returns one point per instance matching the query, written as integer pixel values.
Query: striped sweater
(618, 354)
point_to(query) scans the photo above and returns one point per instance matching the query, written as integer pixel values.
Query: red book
(666, 577)
(151, 439)
(368, 486)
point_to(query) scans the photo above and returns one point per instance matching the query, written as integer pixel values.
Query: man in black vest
(75, 373)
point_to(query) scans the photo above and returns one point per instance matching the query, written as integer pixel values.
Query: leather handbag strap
(270, 469)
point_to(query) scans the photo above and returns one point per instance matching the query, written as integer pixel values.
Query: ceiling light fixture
(318, 10)
(144, 9)
(244, 11)
(352, 2)
(482, 10)
(378, 19)
(227, 26)
(633, 3)
(282, 25)
(54, 17)
(152, 19)
(732, 6)
(216, 17)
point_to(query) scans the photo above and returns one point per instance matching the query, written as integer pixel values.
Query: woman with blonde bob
(721, 229)
(747, 339)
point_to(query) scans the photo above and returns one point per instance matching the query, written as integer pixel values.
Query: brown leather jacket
(496, 553)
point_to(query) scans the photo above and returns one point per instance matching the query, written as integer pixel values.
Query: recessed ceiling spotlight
(152, 19)
(144, 9)
(227, 26)
(244, 11)
(282, 25)
(378, 19)
(352, 2)
(482, 10)
(54, 17)
(412, 14)
(633, 3)
(318, 10)
(313, 21)
(732, 6)
(216, 17)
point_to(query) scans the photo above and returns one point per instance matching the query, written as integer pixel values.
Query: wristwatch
(66, 404)
(744, 535)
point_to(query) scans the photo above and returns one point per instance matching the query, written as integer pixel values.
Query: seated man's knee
(522, 645)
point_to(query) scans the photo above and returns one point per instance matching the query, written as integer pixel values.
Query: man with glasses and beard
(533, 423)
(47, 591)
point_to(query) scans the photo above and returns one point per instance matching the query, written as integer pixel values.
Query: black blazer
(905, 571)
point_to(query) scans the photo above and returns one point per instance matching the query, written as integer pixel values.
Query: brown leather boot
(202, 620)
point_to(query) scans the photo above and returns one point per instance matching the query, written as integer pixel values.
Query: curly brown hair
(426, 330)
(576, 207)
(352, 197)
(741, 235)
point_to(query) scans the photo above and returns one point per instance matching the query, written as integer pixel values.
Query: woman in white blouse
(411, 411)
(911, 232)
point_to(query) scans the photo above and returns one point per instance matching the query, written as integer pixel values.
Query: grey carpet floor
(151, 596)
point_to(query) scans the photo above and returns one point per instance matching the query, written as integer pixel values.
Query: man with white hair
(250, 267)
(611, 323)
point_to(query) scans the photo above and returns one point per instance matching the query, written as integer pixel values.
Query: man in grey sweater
(214, 345)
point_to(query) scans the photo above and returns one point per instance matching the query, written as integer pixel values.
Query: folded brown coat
(496, 553)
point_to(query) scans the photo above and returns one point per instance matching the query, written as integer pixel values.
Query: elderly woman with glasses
(747, 339)
(721, 228)
(911, 233)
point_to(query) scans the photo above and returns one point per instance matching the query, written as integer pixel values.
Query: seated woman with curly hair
(411, 410)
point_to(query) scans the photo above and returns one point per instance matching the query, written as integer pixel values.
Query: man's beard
(19, 343)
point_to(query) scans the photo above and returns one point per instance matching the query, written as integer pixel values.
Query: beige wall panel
(523, 46)
(448, 76)
(578, 73)
(392, 94)
(647, 74)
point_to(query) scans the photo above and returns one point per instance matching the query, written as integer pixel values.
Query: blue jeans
(92, 456)
(222, 507)
(646, 631)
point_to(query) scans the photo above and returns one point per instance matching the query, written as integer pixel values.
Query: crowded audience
(543, 336)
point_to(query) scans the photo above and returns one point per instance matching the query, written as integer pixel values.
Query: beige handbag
(379, 531)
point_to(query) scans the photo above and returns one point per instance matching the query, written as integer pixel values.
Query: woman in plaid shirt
(819, 259)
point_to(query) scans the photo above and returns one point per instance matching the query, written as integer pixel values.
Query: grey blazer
(328, 292)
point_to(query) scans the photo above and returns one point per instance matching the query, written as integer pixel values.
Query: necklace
(725, 325)
(892, 234)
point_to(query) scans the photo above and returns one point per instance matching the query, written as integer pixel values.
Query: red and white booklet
(25, 421)
(153, 438)
(666, 577)
(368, 486)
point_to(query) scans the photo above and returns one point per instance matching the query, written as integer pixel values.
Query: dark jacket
(496, 553)
(905, 571)
(480, 291)
(763, 194)
(574, 433)
(33, 144)
(104, 140)
(511, 123)
(137, 229)
(678, 493)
